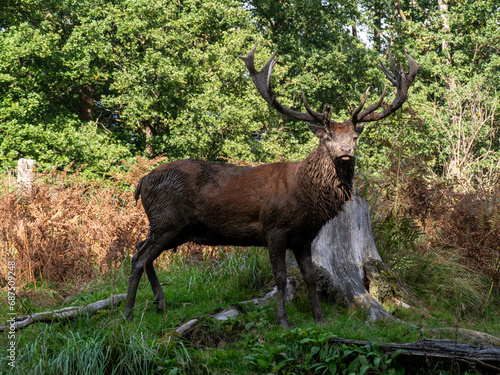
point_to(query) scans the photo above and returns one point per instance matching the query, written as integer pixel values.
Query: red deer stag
(281, 205)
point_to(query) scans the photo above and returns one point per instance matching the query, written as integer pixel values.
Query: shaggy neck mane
(326, 184)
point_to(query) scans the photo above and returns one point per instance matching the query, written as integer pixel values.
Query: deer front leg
(277, 252)
(304, 260)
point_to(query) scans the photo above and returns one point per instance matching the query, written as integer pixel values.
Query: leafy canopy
(101, 81)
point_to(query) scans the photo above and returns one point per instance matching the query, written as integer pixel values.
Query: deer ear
(319, 131)
(359, 128)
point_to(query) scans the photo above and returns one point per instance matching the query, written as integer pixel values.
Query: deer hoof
(160, 306)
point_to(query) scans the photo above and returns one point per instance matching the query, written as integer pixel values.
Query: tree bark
(150, 151)
(349, 266)
(397, 5)
(86, 103)
(445, 44)
(377, 33)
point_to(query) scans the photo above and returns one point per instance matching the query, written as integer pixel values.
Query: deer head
(339, 138)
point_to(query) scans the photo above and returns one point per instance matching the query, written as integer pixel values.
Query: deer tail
(137, 192)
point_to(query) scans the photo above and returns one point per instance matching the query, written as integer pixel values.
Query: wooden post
(25, 175)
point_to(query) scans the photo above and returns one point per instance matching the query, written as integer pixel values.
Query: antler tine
(262, 80)
(354, 116)
(413, 67)
(259, 78)
(268, 81)
(318, 116)
(402, 82)
(373, 107)
(390, 76)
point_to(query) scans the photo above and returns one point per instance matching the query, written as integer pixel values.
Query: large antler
(397, 77)
(262, 80)
(400, 80)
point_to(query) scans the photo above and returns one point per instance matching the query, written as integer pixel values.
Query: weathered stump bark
(349, 265)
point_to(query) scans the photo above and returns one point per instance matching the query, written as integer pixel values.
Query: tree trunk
(377, 33)
(86, 105)
(445, 44)
(349, 266)
(150, 152)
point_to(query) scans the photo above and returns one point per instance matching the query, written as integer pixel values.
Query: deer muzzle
(346, 152)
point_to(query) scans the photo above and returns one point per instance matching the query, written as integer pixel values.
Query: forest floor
(198, 285)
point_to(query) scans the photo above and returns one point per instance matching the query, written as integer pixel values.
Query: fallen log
(427, 353)
(65, 313)
(230, 313)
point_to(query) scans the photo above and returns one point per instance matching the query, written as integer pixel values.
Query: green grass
(105, 343)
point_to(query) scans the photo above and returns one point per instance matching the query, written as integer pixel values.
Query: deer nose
(346, 149)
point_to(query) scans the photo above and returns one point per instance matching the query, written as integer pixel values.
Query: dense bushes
(440, 241)
(68, 227)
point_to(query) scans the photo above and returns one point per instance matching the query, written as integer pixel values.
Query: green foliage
(181, 78)
(37, 106)
(150, 76)
(321, 55)
(306, 351)
(455, 94)
(165, 78)
(62, 142)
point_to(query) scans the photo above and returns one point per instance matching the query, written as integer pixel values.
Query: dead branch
(290, 292)
(65, 313)
(470, 335)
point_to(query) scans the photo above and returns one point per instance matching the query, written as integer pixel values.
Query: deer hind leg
(277, 253)
(304, 260)
(159, 298)
(147, 251)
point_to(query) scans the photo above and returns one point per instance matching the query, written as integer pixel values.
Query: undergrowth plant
(441, 243)
(199, 284)
(307, 351)
(67, 227)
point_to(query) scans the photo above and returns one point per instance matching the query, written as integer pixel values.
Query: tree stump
(349, 267)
